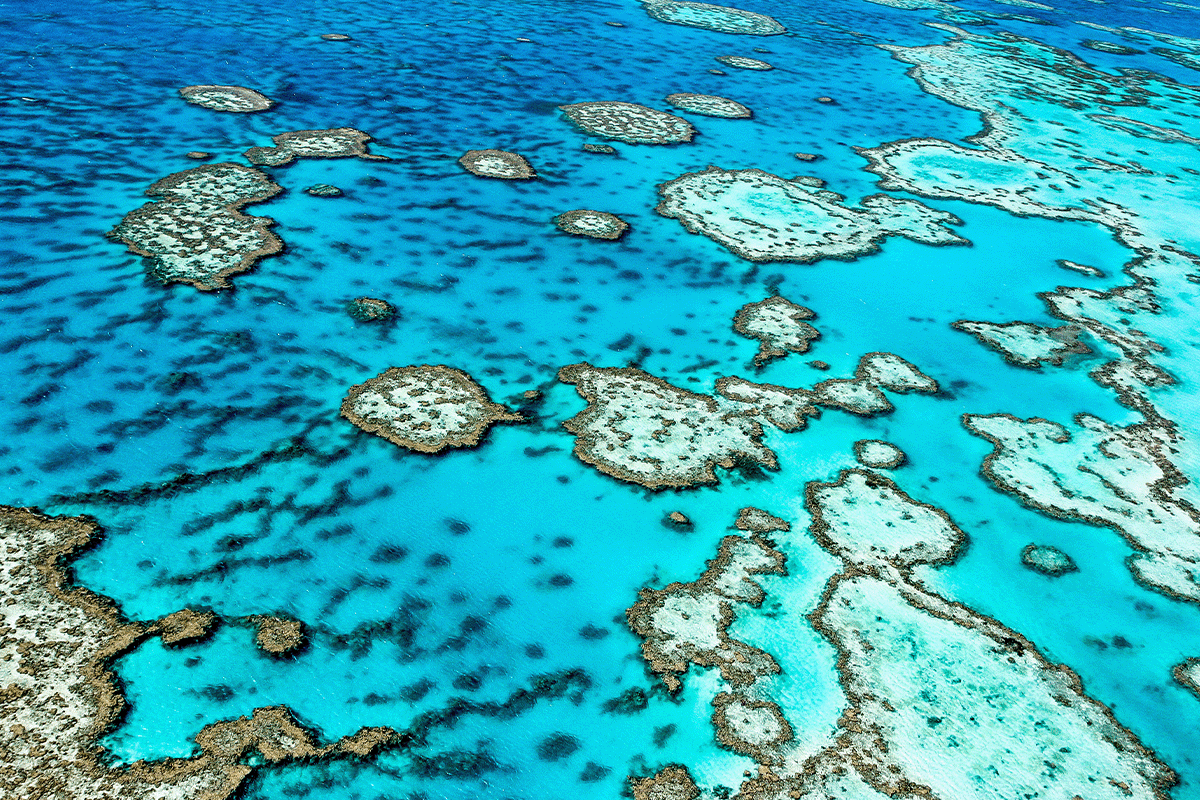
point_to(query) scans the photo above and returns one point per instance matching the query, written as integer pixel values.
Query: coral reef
(743, 62)
(497, 164)
(672, 782)
(878, 454)
(862, 394)
(762, 217)
(424, 408)
(330, 143)
(629, 122)
(779, 327)
(596, 224)
(279, 636)
(370, 309)
(709, 105)
(194, 233)
(236, 99)
(1026, 345)
(641, 429)
(720, 19)
(1047, 560)
(323, 190)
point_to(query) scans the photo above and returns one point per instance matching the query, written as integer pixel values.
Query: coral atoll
(424, 408)
(194, 233)
(878, 454)
(762, 217)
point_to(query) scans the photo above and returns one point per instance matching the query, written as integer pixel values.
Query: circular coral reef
(596, 224)
(1047, 560)
(425, 408)
(370, 309)
(497, 164)
(629, 122)
(237, 99)
(878, 454)
(709, 105)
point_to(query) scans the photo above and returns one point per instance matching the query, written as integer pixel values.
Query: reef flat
(60, 695)
(425, 408)
(195, 232)
(1026, 345)
(779, 325)
(629, 122)
(236, 99)
(497, 164)
(940, 701)
(762, 217)
(720, 19)
(330, 143)
(709, 105)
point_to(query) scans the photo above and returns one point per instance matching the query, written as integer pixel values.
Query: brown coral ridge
(278, 635)
(426, 408)
(195, 232)
(665, 618)
(326, 143)
(62, 696)
(672, 782)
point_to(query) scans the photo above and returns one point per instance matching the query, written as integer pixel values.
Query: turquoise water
(473, 575)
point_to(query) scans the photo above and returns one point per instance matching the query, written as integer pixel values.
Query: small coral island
(237, 99)
(629, 122)
(709, 105)
(596, 224)
(497, 164)
(194, 233)
(330, 143)
(424, 408)
(779, 326)
(720, 19)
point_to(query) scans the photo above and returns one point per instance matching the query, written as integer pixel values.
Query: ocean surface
(460, 579)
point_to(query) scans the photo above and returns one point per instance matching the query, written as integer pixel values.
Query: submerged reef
(720, 19)
(629, 122)
(941, 701)
(641, 429)
(596, 224)
(424, 408)
(370, 309)
(1187, 674)
(60, 695)
(762, 217)
(778, 325)
(862, 394)
(323, 190)
(709, 105)
(1026, 345)
(497, 164)
(330, 143)
(603, 149)
(743, 62)
(237, 99)
(194, 233)
(878, 454)
(1047, 560)
(279, 636)
(672, 782)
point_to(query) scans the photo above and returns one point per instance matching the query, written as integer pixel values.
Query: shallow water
(470, 574)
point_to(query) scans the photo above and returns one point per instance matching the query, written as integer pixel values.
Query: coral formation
(743, 62)
(497, 164)
(370, 309)
(629, 122)
(330, 143)
(672, 782)
(279, 636)
(323, 190)
(596, 224)
(709, 105)
(862, 394)
(237, 99)
(778, 325)
(60, 696)
(1026, 345)
(1047, 560)
(878, 454)
(762, 217)
(184, 627)
(424, 408)
(720, 19)
(194, 233)
(603, 149)
(641, 429)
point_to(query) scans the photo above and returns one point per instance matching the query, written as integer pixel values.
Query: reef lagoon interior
(598, 399)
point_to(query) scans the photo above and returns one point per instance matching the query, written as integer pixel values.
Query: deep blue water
(470, 574)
